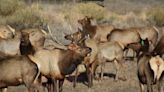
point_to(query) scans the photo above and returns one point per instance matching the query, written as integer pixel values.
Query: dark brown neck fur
(91, 30)
(68, 64)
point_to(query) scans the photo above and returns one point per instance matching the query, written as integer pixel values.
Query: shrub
(156, 15)
(91, 9)
(8, 7)
(29, 16)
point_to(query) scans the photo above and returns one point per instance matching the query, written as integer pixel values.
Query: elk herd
(25, 60)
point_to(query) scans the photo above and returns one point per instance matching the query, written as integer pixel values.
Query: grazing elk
(57, 63)
(19, 70)
(150, 71)
(98, 32)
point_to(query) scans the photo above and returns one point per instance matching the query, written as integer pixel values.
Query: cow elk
(19, 70)
(98, 32)
(150, 71)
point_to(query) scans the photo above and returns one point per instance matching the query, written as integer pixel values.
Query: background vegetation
(63, 14)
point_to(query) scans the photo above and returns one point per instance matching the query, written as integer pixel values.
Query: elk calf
(150, 71)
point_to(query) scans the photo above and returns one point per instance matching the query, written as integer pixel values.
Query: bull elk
(57, 63)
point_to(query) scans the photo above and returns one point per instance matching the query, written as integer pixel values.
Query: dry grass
(17, 13)
(156, 15)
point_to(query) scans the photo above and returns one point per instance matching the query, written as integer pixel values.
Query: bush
(91, 9)
(8, 7)
(29, 16)
(156, 16)
(16, 13)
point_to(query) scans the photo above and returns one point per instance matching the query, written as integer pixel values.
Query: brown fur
(146, 72)
(9, 47)
(108, 51)
(124, 36)
(5, 32)
(19, 70)
(98, 32)
(57, 63)
(159, 50)
(36, 37)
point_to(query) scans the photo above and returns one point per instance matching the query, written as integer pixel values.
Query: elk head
(86, 21)
(6, 32)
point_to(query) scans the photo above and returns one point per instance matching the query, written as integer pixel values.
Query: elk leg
(148, 79)
(160, 85)
(102, 71)
(117, 69)
(61, 85)
(29, 84)
(75, 79)
(50, 85)
(56, 85)
(39, 87)
(94, 66)
(141, 87)
(90, 77)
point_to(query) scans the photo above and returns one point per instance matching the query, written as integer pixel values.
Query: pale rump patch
(157, 65)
